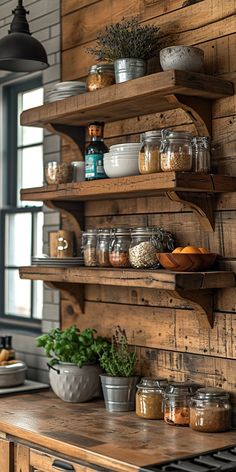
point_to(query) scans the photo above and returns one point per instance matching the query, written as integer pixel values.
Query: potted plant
(119, 381)
(129, 45)
(73, 367)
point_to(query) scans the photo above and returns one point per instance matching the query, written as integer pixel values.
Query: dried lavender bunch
(127, 39)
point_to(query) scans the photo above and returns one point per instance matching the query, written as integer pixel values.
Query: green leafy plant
(127, 39)
(116, 358)
(72, 345)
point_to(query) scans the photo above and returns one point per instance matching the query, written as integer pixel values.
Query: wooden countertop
(86, 431)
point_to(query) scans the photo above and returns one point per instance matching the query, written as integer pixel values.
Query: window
(21, 222)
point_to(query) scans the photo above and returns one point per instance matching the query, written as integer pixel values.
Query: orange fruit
(191, 250)
(204, 250)
(177, 249)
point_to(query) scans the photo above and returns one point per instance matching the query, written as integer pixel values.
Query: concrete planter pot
(128, 69)
(186, 58)
(74, 384)
(119, 392)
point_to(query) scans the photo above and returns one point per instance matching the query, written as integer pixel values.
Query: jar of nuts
(100, 76)
(149, 398)
(119, 247)
(149, 154)
(89, 243)
(176, 403)
(146, 242)
(176, 151)
(58, 172)
(102, 249)
(210, 410)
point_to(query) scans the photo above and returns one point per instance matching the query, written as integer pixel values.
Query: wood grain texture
(6, 456)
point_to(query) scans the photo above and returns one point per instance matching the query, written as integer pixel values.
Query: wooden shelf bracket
(75, 292)
(73, 135)
(202, 299)
(197, 109)
(201, 203)
(74, 213)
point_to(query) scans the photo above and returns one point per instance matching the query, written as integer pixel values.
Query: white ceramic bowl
(186, 58)
(126, 147)
(121, 155)
(120, 167)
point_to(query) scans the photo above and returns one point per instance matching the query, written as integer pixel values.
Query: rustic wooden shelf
(194, 286)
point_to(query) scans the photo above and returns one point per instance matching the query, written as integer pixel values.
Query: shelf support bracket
(74, 213)
(75, 292)
(202, 299)
(197, 109)
(201, 204)
(73, 135)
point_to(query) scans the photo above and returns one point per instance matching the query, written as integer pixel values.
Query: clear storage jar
(146, 242)
(201, 154)
(176, 151)
(210, 410)
(149, 154)
(102, 250)
(176, 403)
(89, 243)
(149, 398)
(119, 247)
(100, 76)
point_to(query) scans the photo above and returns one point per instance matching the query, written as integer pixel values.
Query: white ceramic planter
(186, 58)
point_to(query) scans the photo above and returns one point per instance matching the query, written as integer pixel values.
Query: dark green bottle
(94, 152)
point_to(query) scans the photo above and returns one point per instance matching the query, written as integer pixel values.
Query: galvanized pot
(119, 392)
(128, 69)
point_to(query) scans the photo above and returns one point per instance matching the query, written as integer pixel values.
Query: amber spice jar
(149, 398)
(210, 410)
(100, 76)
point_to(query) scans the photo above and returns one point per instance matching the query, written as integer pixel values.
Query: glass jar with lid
(201, 154)
(176, 151)
(89, 243)
(102, 250)
(149, 154)
(210, 410)
(119, 247)
(149, 398)
(100, 76)
(146, 242)
(176, 403)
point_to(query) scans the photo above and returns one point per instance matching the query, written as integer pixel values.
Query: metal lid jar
(146, 242)
(176, 403)
(102, 249)
(89, 243)
(100, 76)
(176, 151)
(210, 410)
(149, 398)
(201, 154)
(149, 154)
(119, 247)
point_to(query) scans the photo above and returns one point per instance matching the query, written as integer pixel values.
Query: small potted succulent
(129, 45)
(119, 381)
(73, 367)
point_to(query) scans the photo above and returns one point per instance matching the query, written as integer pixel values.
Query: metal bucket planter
(74, 384)
(128, 69)
(119, 392)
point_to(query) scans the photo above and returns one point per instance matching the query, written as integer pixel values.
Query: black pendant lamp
(19, 51)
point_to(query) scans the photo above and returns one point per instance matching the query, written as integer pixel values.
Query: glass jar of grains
(176, 403)
(149, 154)
(146, 242)
(119, 247)
(176, 151)
(201, 154)
(100, 76)
(102, 250)
(149, 398)
(210, 410)
(89, 243)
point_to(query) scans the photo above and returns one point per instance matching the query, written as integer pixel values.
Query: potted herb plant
(119, 381)
(73, 367)
(129, 45)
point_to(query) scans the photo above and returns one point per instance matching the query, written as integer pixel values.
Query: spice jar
(149, 398)
(9, 348)
(102, 250)
(149, 154)
(201, 154)
(176, 403)
(89, 243)
(176, 151)
(146, 242)
(119, 247)
(210, 410)
(100, 75)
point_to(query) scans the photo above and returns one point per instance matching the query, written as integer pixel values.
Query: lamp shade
(19, 51)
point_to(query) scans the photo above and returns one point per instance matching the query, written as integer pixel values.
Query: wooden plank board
(6, 456)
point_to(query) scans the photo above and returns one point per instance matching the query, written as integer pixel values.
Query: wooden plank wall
(168, 337)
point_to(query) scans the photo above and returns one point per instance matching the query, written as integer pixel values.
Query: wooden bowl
(186, 262)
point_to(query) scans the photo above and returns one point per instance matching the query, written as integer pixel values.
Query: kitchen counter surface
(86, 431)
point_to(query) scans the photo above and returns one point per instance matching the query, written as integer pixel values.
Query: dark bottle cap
(8, 342)
(2, 342)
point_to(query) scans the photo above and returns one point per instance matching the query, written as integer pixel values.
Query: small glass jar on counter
(176, 403)
(89, 243)
(149, 398)
(100, 76)
(146, 242)
(102, 250)
(210, 410)
(119, 247)
(149, 154)
(201, 154)
(176, 151)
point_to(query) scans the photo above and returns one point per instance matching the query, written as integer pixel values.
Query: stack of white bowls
(63, 90)
(122, 160)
